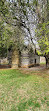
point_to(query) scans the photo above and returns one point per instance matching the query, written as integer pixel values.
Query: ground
(24, 89)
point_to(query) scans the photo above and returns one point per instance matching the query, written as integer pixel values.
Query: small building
(29, 59)
(25, 58)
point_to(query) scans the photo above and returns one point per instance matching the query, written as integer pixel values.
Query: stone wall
(4, 61)
(28, 60)
(25, 59)
(34, 59)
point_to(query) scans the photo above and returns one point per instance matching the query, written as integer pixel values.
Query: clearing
(24, 90)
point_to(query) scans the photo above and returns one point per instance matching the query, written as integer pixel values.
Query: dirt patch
(37, 68)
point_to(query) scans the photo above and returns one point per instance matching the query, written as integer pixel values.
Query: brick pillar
(15, 59)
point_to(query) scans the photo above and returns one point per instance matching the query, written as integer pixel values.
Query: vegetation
(21, 22)
(18, 22)
(42, 30)
(24, 91)
(42, 27)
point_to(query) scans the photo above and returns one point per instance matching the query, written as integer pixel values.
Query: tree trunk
(47, 60)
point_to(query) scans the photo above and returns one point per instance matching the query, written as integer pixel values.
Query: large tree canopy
(10, 31)
(42, 30)
(19, 19)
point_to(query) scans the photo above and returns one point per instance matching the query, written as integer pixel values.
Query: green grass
(43, 63)
(24, 92)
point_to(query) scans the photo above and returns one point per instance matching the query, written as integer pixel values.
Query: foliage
(18, 21)
(9, 33)
(4, 33)
(43, 37)
(42, 31)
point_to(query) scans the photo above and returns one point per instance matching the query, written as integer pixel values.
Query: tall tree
(42, 32)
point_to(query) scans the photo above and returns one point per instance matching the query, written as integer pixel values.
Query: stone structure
(29, 59)
(15, 59)
(3, 61)
(25, 59)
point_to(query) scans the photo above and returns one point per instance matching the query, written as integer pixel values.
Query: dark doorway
(35, 61)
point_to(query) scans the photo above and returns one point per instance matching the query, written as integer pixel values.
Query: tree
(3, 11)
(21, 13)
(21, 18)
(8, 34)
(42, 31)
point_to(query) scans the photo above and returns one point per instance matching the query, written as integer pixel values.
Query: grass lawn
(43, 63)
(20, 91)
